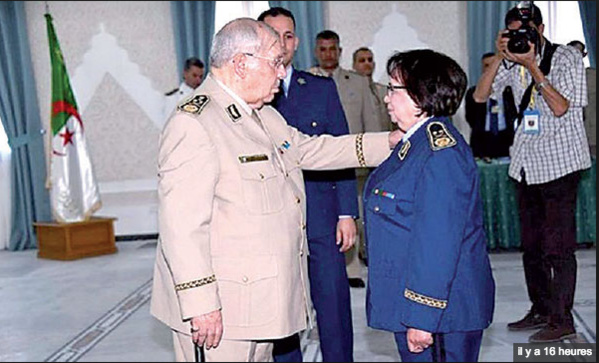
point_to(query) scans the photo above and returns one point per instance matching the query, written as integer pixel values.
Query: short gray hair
(237, 36)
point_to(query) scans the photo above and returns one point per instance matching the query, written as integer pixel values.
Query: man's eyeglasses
(274, 62)
(391, 88)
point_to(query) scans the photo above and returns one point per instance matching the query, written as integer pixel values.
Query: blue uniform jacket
(313, 107)
(428, 263)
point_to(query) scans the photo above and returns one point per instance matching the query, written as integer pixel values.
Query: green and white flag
(74, 193)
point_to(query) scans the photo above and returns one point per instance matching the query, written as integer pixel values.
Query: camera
(519, 38)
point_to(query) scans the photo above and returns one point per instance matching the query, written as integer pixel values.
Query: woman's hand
(418, 340)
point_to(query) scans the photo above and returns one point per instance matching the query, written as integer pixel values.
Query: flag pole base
(70, 241)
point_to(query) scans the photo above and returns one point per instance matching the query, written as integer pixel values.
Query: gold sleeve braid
(360, 150)
(425, 300)
(195, 283)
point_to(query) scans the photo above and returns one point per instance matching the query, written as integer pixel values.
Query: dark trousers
(448, 347)
(329, 289)
(548, 227)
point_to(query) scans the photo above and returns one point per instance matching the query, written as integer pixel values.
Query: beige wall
(387, 26)
(121, 59)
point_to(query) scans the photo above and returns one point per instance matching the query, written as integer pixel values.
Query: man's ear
(240, 65)
(296, 44)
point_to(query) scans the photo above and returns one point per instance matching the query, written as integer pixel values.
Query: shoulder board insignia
(233, 113)
(439, 137)
(194, 105)
(170, 93)
(403, 152)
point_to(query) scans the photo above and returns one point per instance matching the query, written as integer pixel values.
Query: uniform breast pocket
(397, 212)
(261, 187)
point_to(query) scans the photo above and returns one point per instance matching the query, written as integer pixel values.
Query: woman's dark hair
(434, 81)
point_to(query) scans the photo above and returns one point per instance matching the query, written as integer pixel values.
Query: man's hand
(207, 329)
(528, 59)
(395, 138)
(346, 233)
(418, 340)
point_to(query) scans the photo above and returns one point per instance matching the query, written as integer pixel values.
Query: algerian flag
(73, 191)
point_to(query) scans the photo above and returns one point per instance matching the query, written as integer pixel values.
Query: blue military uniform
(429, 267)
(313, 107)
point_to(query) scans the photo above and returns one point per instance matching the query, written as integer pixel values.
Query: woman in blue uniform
(429, 276)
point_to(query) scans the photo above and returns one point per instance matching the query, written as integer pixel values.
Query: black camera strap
(545, 67)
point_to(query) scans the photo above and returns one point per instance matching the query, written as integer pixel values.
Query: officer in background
(193, 75)
(491, 122)
(364, 64)
(311, 104)
(361, 114)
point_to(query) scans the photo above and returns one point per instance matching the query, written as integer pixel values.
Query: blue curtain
(308, 22)
(588, 9)
(485, 19)
(193, 25)
(21, 120)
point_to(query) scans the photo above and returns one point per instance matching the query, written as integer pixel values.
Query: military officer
(230, 270)
(360, 111)
(429, 276)
(311, 104)
(193, 75)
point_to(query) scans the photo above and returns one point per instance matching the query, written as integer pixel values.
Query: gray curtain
(21, 120)
(309, 22)
(588, 9)
(485, 19)
(193, 25)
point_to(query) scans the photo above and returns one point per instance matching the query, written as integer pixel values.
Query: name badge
(252, 158)
(531, 122)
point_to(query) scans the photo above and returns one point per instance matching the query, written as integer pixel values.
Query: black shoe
(552, 333)
(529, 322)
(356, 282)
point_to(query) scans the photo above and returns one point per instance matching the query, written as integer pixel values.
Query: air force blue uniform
(313, 107)
(428, 263)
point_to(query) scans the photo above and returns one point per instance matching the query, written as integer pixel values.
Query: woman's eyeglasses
(391, 88)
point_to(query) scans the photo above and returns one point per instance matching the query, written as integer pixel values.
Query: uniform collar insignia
(403, 152)
(194, 105)
(301, 81)
(233, 112)
(439, 137)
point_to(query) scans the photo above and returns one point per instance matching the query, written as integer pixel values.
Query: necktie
(493, 119)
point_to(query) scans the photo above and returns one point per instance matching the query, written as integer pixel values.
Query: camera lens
(518, 44)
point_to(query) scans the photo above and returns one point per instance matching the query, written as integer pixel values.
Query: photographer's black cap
(516, 13)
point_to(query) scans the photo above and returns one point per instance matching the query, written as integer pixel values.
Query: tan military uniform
(232, 214)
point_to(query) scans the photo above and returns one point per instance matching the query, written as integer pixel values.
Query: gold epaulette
(439, 137)
(194, 105)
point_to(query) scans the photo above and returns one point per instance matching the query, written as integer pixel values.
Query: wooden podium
(70, 241)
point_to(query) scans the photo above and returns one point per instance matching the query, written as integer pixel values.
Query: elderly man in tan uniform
(230, 272)
(359, 105)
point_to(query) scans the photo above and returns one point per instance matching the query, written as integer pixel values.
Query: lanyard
(533, 97)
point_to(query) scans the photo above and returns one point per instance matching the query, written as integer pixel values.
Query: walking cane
(200, 353)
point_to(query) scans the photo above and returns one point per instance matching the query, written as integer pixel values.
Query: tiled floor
(96, 309)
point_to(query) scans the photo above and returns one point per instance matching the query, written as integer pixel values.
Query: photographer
(548, 153)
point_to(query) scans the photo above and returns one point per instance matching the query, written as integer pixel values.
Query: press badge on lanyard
(531, 122)
(532, 116)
